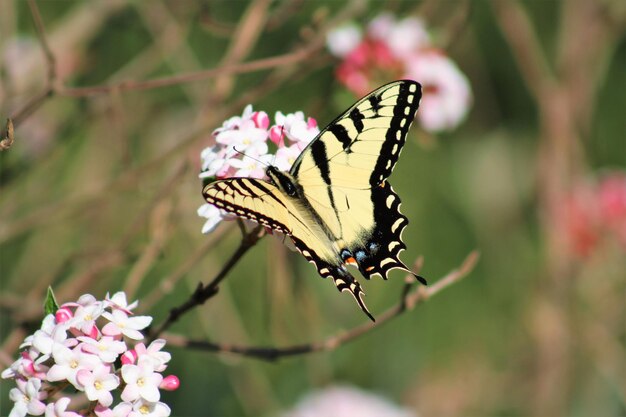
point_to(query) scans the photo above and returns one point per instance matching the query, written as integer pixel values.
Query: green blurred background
(99, 193)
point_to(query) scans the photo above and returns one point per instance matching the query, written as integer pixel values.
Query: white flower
(153, 351)
(251, 166)
(106, 348)
(44, 341)
(68, 362)
(213, 215)
(27, 398)
(98, 383)
(58, 409)
(381, 26)
(286, 156)
(296, 127)
(248, 138)
(215, 161)
(141, 381)
(150, 409)
(235, 121)
(86, 315)
(446, 92)
(119, 301)
(346, 402)
(120, 323)
(341, 41)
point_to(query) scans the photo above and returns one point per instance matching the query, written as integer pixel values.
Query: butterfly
(335, 203)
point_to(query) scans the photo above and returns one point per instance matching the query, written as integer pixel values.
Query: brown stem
(204, 292)
(408, 301)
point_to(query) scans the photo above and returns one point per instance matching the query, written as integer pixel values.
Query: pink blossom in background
(344, 401)
(446, 95)
(594, 213)
(391, 49)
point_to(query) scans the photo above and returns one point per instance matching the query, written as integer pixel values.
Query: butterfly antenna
(251, 157)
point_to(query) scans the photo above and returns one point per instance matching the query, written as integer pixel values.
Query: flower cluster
(594, 212)
(391, 49)
(86, 346)
(245, 145)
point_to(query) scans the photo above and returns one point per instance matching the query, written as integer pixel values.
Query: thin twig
(526, 48)
(43, 40)
(408, 301)
(204, 292)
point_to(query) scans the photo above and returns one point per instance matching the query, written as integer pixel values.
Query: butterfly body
(336, 203)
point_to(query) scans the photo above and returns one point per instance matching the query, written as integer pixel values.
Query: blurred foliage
(83, 196)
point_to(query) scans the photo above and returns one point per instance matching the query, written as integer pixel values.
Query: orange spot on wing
(351, 261)
(382, 184)
(369, 268)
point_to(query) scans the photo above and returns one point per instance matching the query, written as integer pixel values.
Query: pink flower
(120, 323)
(69, 362)
(106, 348)
(98, 384)
(26, 366)
(59, 409)
(119, 302)
(141, 381)
(86, 315)
(403, 37)
(154, 353)
(370, 63)
(121, 410)
(286, 156)
(446, 94)
(612, 200)
(27, 398)
(592, 213)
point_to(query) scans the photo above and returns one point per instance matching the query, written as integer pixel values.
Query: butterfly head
(282, 180)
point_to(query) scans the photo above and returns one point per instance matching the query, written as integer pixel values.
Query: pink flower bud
(63, 314)
(129, 357)
(28, 364)
(261, 119)
(170, 383)
(277, 134)
(94, 333)
(311, 123)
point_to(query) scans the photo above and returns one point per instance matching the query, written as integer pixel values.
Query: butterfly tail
(346, 282)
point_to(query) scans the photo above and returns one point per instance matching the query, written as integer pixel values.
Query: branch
(43, 40)
(526, 48)
(204, 292)
(408, 301)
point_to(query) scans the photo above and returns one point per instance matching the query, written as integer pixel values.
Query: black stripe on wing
(241, 196)
(409, 95)
(381, 251)
(340, 275)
